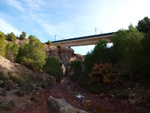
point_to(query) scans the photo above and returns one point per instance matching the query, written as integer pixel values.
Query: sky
(70, 18)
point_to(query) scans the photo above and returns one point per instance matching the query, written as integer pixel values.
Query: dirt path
(68, 90)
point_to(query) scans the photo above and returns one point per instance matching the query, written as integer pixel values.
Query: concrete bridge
(86, 40)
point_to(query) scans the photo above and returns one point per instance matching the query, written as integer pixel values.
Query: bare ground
(68, 90)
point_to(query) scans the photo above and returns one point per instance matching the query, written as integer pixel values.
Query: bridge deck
(85, 40)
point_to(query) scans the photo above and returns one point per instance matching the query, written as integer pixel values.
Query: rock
(62, 81)
(63, 55)
(61, 106)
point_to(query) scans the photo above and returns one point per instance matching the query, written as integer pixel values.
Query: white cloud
(16, 4)
(34, 5)
(7, 28)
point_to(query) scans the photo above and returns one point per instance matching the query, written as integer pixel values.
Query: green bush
(53, 67)
(11, 37)
(12, 51)
(23, 36)
(32, 54)
(49, 42)
(17, 78)
(58, 46)
(2, 44)
(76, 65)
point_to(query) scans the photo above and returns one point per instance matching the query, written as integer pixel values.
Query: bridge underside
(92, 40)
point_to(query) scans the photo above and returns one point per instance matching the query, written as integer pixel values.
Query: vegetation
(32, 54)
(121, 65)
(2, 44)
(58, 46)
(12, 51)
(49, 42)
(23, 36)
(11, 37)
(53, 67)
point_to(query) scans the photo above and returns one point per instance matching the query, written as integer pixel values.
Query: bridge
(85, 40)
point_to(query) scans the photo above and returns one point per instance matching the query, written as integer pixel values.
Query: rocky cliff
(63, 55)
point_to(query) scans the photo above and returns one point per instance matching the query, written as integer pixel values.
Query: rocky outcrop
(7, 66)
(63, 55)
(61, 106)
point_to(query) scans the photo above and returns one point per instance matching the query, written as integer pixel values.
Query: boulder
(61, 106)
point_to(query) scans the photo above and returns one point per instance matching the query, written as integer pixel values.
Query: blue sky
(70, 18)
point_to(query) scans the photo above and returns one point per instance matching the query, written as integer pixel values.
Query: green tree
(126, 48)
(32, 54)
(12, 51)
(100, 54)
(53, 67)
(144, 25)
(23, 36)
(2, 44)
(11, 37)
(49, 42)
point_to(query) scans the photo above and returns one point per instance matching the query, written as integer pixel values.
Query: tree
(23, 36)
(49, 42)
(126, 48)
(32, 54)
(53, 67)
(144, 25)
(100, 54)
(11, 37)
(2, 44)
(12, 51)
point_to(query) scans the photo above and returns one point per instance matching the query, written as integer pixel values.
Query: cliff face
(63, 55)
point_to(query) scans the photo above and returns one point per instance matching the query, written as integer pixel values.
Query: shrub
(46, 84)
(17, 78)
(11, 37)
(23, 36)
(49, 42)
(58, 46)
(53, 67)
(2, 44)
(76, 65)
(8, 85)
(32, 55)
(105, 74)
(12, 51)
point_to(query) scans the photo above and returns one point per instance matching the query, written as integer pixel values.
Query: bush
(17, 78)
(76, 65)
(53, 68)
(58, 46)
(46, 84)
(32, 55)
(23, 36)
(11, 37)
(2, 44)
(12, 51)
(49, 43)
(105, 74)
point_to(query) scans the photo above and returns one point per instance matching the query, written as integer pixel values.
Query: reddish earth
(68, 90)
